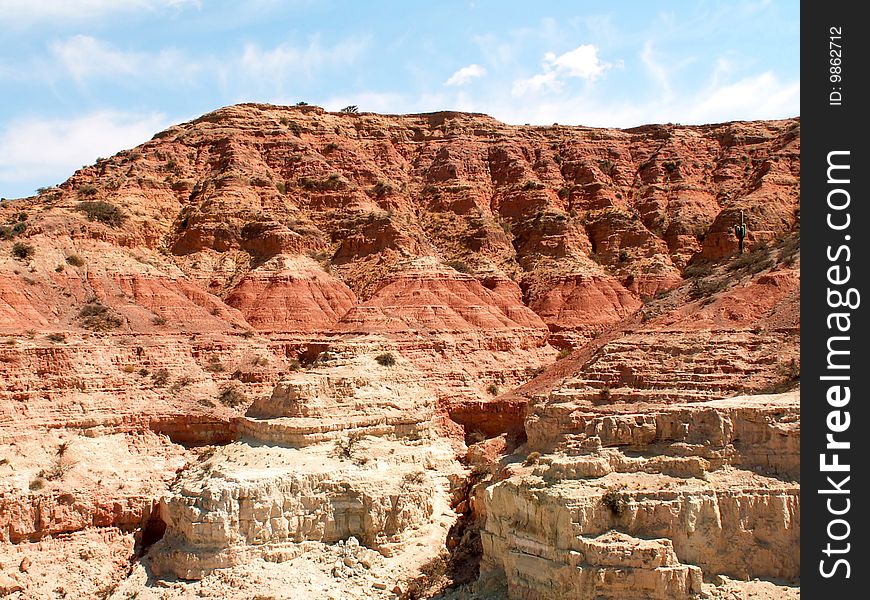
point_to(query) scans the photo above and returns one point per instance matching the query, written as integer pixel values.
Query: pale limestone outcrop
(754, 432)
(248, 500)
(715, 483)
(346, 448)
(346, 392)
(610, 566)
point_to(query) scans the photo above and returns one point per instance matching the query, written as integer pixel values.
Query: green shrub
(160, 377)
(492, 389)
(563, 353)
(56, 337)
(670, 165)
(351, 109)
(704, 288)
(756, 261)
(532, 372)
(459, 265)
(604, 394)
(181, 383)
(22, 251)
(333, 182)
(700, 269)
(88, 189)
(344, 446)
(75, 260)
(607, 166)
(97, 317)
(102, 212)
(232, 396)
(387, 359)
(382, 188)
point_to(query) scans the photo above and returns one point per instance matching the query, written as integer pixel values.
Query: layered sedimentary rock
(711, 486)
(291, 297)
(347, 448)
(253, 501)
(269, 331)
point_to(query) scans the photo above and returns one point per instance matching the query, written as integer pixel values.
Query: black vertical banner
(835, 362)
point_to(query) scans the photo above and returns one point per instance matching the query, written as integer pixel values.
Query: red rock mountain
(520, 279)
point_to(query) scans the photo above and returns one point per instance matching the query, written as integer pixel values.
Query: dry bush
(102, 212)
(387, 359)
(232, 396)
(22, 250)
(97, 317)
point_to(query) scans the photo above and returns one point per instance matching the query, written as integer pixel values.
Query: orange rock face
(525, 280)
(292, 300)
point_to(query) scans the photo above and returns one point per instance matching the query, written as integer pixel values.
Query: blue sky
(87, 78)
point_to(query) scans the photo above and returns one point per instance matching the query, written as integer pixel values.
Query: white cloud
(49, 150)
(253, 69)
(582, 62)
(83, 56)
(497, 53)
(466, 74)
(655, 70)
(533, 84)
(762, 96)
(31, 11)
(277, 63)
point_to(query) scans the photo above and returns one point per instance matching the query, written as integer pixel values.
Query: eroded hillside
(281, 351)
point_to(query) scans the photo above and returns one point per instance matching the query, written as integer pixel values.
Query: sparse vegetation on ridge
(22, 250)
(386, 359)
(102, 212)
(98, 317)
